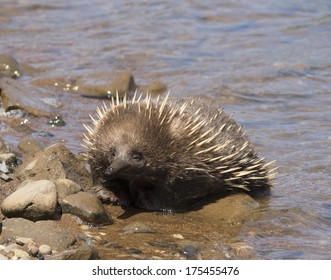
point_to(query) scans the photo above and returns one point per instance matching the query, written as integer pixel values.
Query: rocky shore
(48, 210)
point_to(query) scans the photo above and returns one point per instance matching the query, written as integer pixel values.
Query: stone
(32, 248)
(106, 84)
(8, 158)
(45, 249)
(29, 145)
(87, 207)
(42, 232)
(66, 187)
(10, 248)
(21, 254)
(3, 147)
(3, 258)
(53, 163)
(4, 168)
(22, 240)
(18, 94)
(34, 200)
(155, 88)
(137, 227)
(5, 177)
(9, 67)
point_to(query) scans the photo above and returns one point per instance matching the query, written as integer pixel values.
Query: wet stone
(34, 200)
(56, 121)
(30, 145)
(9, 158)
(22, 240)
(189, 251)
(66, 187)
(137, 227)
(3, 147)
(20, 254)
(87, 207)
(5, 177)
(163, 244)
(113, 245)
(18, 94)
(83, 252)
(9, 67)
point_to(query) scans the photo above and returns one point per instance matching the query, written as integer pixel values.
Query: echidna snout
(167, 154)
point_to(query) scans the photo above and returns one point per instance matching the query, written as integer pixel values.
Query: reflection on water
(267, 62)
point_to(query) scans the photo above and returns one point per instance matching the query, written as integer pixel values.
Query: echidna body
(167, 154)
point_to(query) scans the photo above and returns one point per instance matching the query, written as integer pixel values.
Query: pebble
(10, 248)
(178, 236)
(45, 249)
(22, 240)
(3, 258)
(32, 248)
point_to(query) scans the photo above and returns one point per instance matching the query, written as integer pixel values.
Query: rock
(32, 248)
(83, 252)
(66, 187)
(106, 84)
(34, 200)
(137, 227)
(87, 207)
(3, 148)
(45, 249)
(53, 163)
(232, 209)
(18, 94)
(190, 252)
(22, 240)
(154, 89)
(178, 236)
(10, 248)
(4, 168)
(5, 177)
(20, 254)
(29, 145)
(9, 67)
(56, 121)
(3, 258)
(8, 159)
(42, 232)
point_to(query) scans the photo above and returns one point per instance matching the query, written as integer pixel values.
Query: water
(268, 62)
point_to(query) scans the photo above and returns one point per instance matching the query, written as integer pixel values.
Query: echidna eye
(137, 156)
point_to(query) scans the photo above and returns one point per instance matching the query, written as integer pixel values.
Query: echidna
(166, 154)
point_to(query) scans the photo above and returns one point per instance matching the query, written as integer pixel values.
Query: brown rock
(55, 162)
(87, 207)
(66, 187)
(42, 232)
(29, 145)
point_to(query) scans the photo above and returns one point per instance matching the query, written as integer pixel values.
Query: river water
(268, 62)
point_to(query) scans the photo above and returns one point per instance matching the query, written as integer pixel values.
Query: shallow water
(265, 61)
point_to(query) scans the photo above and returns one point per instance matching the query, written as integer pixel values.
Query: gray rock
(45, 249)
(87, 207)
(29, 145)
(55, 162)
(66, 187)
(36, 200)
(10, 248)
(137, 227)
(22, 240)
(4, 168)
(18, 94)
(42, 232)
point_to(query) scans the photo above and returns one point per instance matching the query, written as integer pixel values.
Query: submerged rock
(53, 163)
(34, 200)
(87, 207)
(29, 145)
(137, 227)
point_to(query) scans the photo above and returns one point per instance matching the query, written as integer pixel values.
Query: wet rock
(106, 84)
(66, 187)
(137, 227)
(113, 245)
(83, 252)
(5, 177)
(154, 89)
(55, 162)
(8, 159)
(9, 67)
(190, 252)
(87, 207)
(34, 200)
(30, 145)
(56, 121)
(231, 209)
(42, 232)
(45, 249)
(3, 148)
(22, 240)
(163, 244)
(17, 94)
